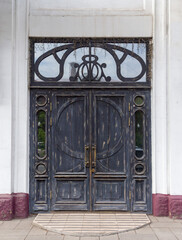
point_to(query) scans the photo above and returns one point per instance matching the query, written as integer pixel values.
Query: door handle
(86, 156)
(94, 156)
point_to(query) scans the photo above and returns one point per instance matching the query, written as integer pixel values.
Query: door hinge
(51, 121)
(129, 195)
(129, 122)
(50, 194)
(129, 107)
(50, 106)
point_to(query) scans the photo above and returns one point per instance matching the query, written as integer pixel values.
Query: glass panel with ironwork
(41, 134)
(90, 61)
(139, 134)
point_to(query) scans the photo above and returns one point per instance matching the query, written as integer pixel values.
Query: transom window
(90, 61)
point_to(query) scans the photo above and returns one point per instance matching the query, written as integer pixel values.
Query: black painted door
(89, 138)
(90, 150)
(110, 165)
(70, 135)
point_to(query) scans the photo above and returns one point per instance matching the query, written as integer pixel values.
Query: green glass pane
(139, 101)
(139, 134)
(41, 135)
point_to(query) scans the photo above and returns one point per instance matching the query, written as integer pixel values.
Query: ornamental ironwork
(90, 61)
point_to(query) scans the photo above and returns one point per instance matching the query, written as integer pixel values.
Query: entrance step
(90, 224)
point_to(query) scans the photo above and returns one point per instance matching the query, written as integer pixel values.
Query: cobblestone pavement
(161, 228)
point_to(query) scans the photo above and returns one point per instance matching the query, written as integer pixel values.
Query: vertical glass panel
(41, 134)
(139, 136)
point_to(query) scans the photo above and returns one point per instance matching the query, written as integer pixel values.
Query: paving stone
(178, 220)
(144, 230)
(178, 236)
(7, 232)
(165, 219)
(37, 231)
(60, 237)
(131, 232)
(164, 234)
(29, 237)
(176, 230)
(89, 238)
(10, 224)
(137, 237)
(24, 225)
(45, 238)
(53, 234)
(110, 237)
(128, 235)
(153, 218)
(71, 238)
(12, 238)
(166, 224)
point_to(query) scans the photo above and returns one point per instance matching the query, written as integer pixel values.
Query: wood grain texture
(99, 120)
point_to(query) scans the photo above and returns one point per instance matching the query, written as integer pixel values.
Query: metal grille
(56, 62)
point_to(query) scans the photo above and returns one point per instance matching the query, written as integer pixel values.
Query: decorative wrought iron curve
(90, 62)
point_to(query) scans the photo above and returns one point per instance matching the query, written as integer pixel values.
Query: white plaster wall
(132, 18)
(104, 18)
(92, 7)
(5, 96)
(175, 98)
(89, 26)
(20, 95)
(92, 4)
(159, 99)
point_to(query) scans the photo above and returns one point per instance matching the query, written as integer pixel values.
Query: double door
(93, 161)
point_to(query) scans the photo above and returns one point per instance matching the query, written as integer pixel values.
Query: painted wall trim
(99, 26)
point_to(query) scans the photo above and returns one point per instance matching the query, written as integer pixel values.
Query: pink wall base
(6, 207)
(167, 205)
(175, 206)
(15, 205)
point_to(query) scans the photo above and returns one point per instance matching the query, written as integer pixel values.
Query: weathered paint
(109, 175)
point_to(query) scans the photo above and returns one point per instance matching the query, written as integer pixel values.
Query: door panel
(110, 175)
(109, 127)
(140, 156)
(69, 136)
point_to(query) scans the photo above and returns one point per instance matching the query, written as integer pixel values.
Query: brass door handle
(94, 156)
(86, 156)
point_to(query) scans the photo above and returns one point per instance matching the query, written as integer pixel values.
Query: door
(90, 150)
(70, 138)
(110, 165)
(89, 137)
(90, 124)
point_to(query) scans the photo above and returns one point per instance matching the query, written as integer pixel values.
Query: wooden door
(95, 153)
(70, 136)
(89, 137)
(110, 142)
